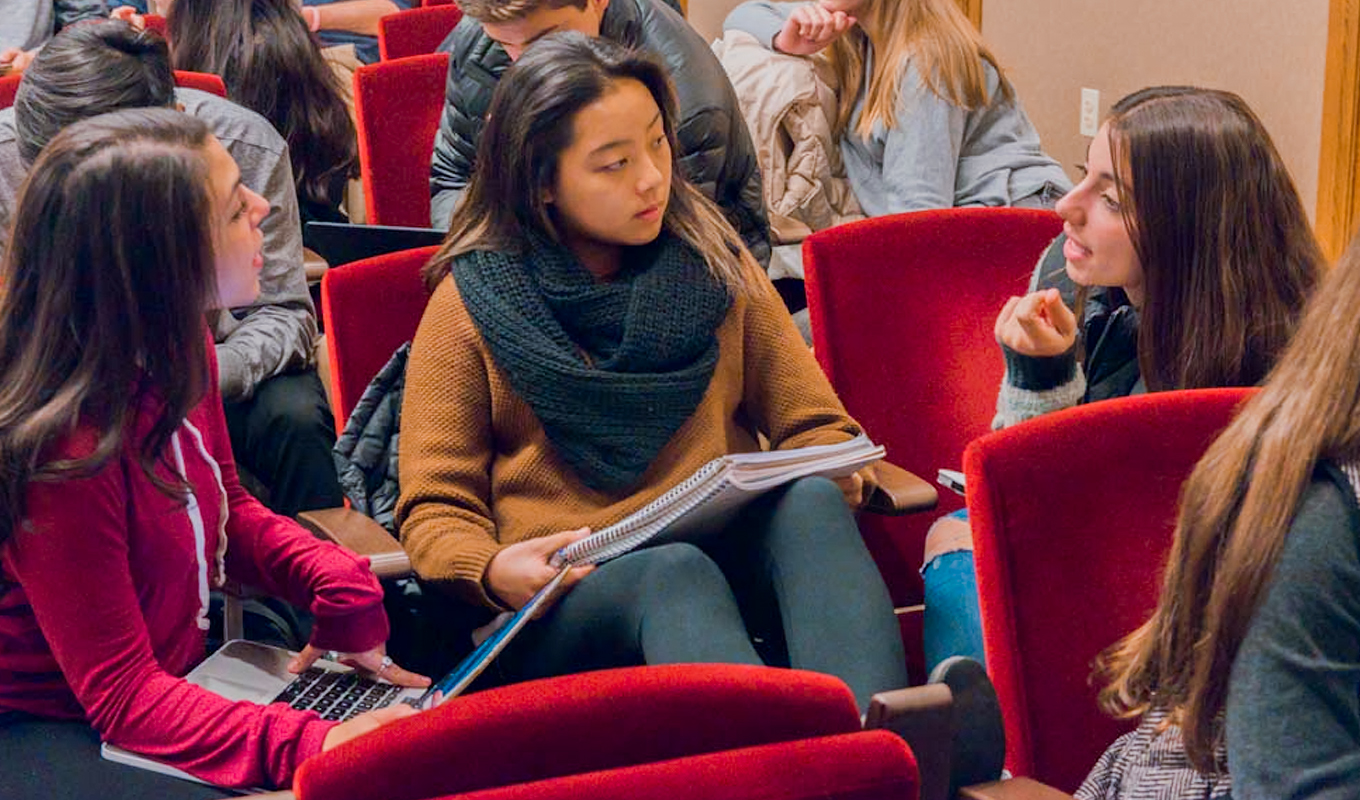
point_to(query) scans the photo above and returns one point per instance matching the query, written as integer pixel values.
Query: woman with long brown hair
(1194, 259)
(926, 117)
(1255, 642)
(120, 508)
(272, 66)
(597, 333)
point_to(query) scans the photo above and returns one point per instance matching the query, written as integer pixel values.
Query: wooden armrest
(1013, 789)
(356, 532)
(313, 265)
(923, 717)
(897, 492)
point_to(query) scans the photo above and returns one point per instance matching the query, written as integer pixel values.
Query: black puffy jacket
(716, 153)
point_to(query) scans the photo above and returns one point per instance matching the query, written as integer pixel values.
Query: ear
(600, 6)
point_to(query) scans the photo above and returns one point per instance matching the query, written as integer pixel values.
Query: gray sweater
(276, 333)
(940, 155)
(27, 24)
(1293, 714)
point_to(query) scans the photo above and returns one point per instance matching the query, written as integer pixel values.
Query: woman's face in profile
(237, 240)
(614, 180)
(1099, 248)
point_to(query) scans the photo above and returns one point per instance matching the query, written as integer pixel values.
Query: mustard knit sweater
(477, 472)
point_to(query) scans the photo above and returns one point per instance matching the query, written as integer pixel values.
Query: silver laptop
(258, 673)
(243, 670)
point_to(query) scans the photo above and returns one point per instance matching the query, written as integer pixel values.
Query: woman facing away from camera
(119, 503)
(927, 118)
(272, 66)
(1194, 258)
(1253, 651)
(597, 333)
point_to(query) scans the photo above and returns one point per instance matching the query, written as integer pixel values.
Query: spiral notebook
(702, 503)
(709, 499)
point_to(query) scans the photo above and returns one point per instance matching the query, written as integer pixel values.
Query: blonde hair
(947, 50)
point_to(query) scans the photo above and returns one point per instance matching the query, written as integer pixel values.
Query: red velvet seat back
(902, 312)
(202, 81)
(9, 84)
(580, 723)
(416, 31)
(869, 765)
(398, 104)
(370, 307)
(1072, 515)
(153, 22)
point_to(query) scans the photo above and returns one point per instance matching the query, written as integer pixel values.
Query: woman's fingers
(304, 659)
(1003, 320)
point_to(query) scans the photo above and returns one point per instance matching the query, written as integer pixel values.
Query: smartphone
(952, 479)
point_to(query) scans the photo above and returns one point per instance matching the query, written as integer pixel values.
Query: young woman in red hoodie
(119, 502)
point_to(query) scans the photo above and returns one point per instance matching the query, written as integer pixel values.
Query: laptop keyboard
(336, 695)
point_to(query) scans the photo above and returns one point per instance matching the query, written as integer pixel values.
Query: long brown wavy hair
(1227, 252)
(273, 66)
(102, 296)
(528, 126)
(1236, 510)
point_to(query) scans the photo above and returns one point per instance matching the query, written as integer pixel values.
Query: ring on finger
(383, 665)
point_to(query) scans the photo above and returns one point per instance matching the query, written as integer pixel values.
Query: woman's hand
(365, 723)
(516, 573)
(129, 15)
(12, 59)
(852, 486)
(811, 28)
(373, 662)
(1038, 325)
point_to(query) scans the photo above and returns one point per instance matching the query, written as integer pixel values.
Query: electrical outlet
(1090, 111)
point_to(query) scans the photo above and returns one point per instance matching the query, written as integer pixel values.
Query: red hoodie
(103, 603)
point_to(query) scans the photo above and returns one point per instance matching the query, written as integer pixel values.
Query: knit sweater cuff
(1015, 405)
(1039, 373)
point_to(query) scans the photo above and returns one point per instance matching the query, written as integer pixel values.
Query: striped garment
(1149, 763)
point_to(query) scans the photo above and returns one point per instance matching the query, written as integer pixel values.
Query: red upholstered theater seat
(153, 22)
(398, 104)
(870, 765)
(370, 307)
(416, 31)
(9, 85)
(585, 723)
(202, 81)
(902, 311)
(1072, 516)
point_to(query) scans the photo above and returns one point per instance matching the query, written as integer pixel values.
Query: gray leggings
(788, 583)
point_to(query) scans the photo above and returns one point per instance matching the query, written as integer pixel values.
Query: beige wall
(1270, 52)
(707, 15)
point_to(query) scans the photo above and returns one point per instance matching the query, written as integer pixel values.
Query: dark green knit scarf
(612, 369)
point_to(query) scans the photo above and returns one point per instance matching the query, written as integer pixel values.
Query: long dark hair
(104, 288)
(1228, 255)
(272, 65)
(1236, 510)
(528, 126)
